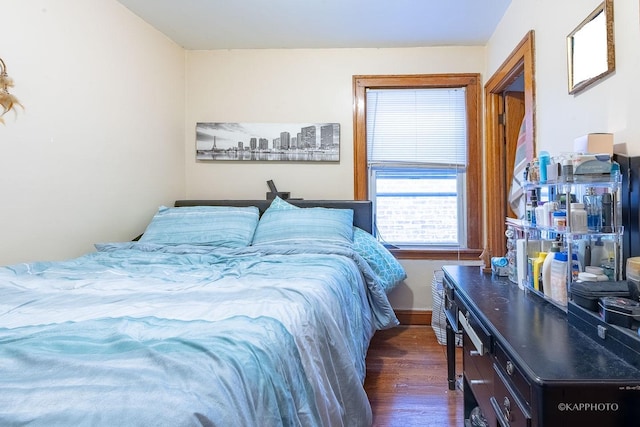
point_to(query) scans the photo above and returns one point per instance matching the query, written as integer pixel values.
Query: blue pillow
(285, 223)
(280, 204)
(381, 261)
(225, 226)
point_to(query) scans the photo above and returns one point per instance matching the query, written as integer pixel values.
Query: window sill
(435, 254)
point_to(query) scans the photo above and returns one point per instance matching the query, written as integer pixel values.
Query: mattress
(141, 333)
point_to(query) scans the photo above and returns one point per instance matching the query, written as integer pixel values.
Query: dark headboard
(362, 209)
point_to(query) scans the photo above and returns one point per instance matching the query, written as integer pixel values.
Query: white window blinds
(426, 126)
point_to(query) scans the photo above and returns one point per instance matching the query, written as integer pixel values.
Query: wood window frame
(471, 82)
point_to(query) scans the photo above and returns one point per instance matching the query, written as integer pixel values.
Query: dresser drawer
(477, 362)
(507, 406)
(450, 305)
(514, 375)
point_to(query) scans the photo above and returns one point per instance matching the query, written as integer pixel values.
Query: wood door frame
(519, 62)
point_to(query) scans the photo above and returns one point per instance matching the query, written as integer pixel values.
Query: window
(417, 157)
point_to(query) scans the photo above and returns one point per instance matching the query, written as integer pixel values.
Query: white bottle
(549, 208)
(546, 269)
(559, 278)
(578, 218)
(542, 220)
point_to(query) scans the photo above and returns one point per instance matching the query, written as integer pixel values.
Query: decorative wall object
(290, 142)
(8, 102)
(591, 48)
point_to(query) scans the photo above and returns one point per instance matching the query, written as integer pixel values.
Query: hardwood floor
(407, 380)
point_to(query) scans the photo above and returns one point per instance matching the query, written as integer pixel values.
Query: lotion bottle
(546, 269)
(541, 217)
(559, 278)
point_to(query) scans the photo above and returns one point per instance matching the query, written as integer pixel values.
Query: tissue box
(594, 143)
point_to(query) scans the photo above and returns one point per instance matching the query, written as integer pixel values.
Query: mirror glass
(590, 48)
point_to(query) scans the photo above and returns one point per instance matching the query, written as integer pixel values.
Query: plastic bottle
(578, 218)
(530, 209)
(549, 208)
(546, 269)
(584, 252)
(593, 206)
(542, 220)
(559, 278)
(567, 170)
(544, 160)
(607, 213)
(560, 220)
(576, 267)
(537, 270)
(598, 253)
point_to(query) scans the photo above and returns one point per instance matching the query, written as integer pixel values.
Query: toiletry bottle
(578, 218)
(576, 267)
(537, 270)
(534, 206)
(567, 170)
(530, 209)
(559, 278)
(560, 220)
(541, 217)
(546, 269)
(544, 160)
(584, 252)
(607, 213)
(549, 209)
(593, 206)
(598, 253)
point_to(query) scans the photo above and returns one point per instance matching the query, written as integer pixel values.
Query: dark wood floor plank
(407, 380)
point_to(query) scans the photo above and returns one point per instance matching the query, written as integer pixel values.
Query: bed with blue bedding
(216, 316)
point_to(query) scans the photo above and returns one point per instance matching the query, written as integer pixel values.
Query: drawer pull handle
(473, 336)
(506, 404)
(502, 420)
(510, 367)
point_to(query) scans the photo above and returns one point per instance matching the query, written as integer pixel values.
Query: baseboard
(414, 317)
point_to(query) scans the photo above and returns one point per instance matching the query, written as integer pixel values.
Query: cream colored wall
(301, 86)
(100, 143)
(609, 106)
(108, 135)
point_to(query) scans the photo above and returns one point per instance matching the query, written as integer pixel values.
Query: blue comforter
(143, 334)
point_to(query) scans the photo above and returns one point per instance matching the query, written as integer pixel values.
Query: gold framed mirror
(591, 49)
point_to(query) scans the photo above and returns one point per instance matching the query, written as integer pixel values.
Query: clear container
(593, 206)
(578, 218)
(560, 220)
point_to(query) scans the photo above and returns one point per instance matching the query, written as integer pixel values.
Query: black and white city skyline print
(289, 142)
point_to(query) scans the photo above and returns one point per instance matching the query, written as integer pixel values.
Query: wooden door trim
(520, 61)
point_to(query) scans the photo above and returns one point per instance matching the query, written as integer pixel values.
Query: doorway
(499, 112)
(512, 119)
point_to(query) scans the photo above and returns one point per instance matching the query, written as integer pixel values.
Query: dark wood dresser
(525, 364)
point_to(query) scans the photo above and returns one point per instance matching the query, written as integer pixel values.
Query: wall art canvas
(289, 142)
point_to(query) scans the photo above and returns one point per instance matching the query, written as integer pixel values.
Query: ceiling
(290, 24)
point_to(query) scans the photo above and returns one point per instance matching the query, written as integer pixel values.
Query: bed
(223, 313)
